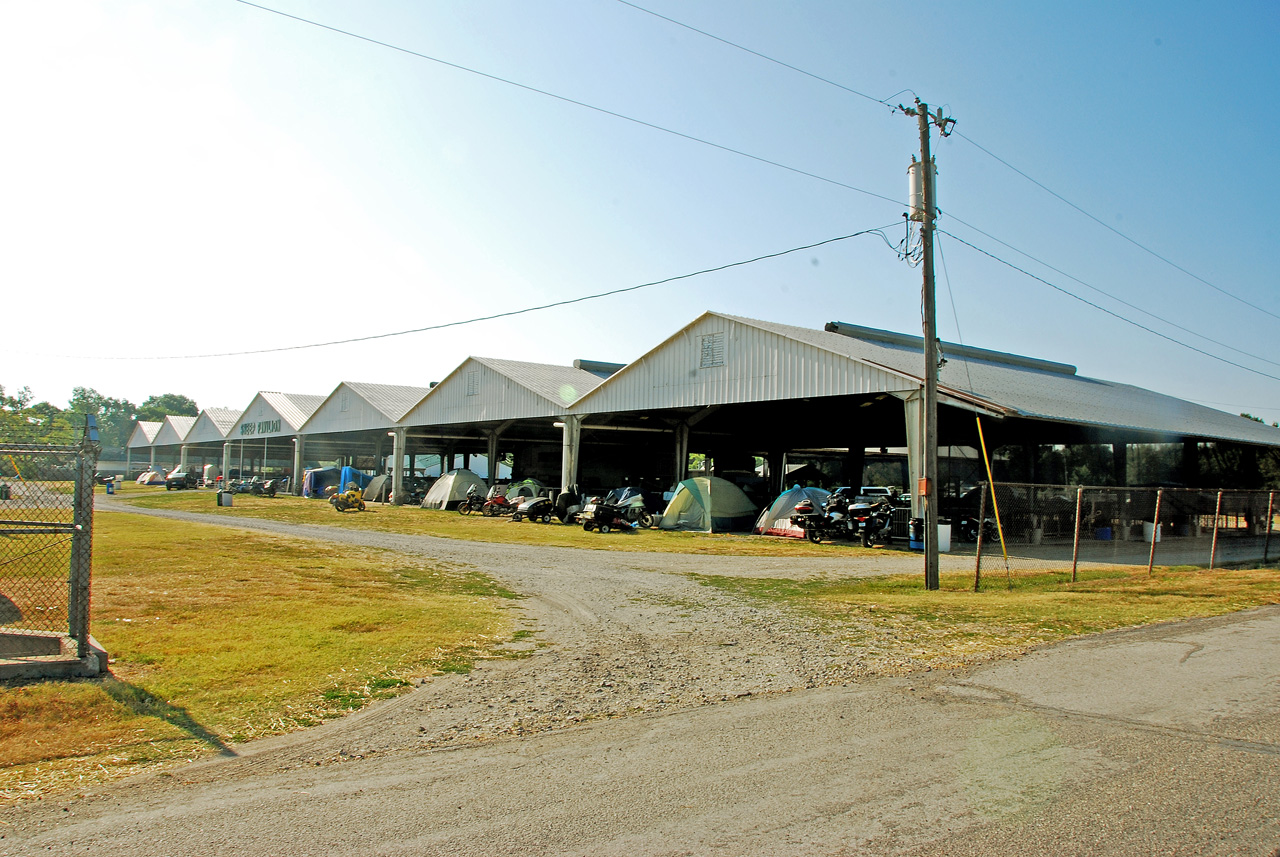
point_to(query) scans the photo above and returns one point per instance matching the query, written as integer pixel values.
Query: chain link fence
(46, 534)
(1023, 527)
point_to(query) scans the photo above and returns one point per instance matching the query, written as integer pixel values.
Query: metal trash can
(111, 487)
(5, 493)
(224, 498)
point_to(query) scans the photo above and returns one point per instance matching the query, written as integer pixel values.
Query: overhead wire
(1111, 313)
(907, 252)
(567, 100)
(988, 152)
(878, 230)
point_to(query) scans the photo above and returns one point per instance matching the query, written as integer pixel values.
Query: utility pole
(929, 482)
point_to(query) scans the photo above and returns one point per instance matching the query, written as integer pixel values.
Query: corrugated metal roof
(213, 425)
(723, 359)
(356, 406)
(292, 409)
(173, 430)
(484, 389)
(144, 432)
(1007, 383)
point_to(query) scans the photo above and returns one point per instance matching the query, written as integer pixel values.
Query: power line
(1118, 300)
(983, 149)
(875, 231)
(574, 102)
(1115, 315)
(1108, 226)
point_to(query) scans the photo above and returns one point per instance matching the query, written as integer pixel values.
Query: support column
(777, 460)
(1191, 463)
(913, 409)
(182, 456)
(570, 448)
(855, 461)
(398, 443)
(128, 455)
(682, 452)
(226, 462)
(299, 456)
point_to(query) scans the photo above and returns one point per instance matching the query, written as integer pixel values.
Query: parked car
(182, 477)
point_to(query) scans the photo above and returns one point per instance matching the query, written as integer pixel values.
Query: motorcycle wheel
(868, 541)
(340, 505)
(464, 508)
(813, 535)
(646, 520)
(489, 510)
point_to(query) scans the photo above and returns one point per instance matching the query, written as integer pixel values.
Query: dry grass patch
(220, 636)
(903, 627)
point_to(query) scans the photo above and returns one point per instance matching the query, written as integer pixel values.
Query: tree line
(23, 420)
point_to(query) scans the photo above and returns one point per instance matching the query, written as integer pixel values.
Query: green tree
(156, 408)
(115, 416)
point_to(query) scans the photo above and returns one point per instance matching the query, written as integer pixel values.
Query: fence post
(1266, 544)
(982, 516)
(81, 555)
(1155, 533)
(1075, 543)
(1213, 549)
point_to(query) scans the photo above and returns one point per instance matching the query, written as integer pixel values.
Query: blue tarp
(314, 481)
(350, 474)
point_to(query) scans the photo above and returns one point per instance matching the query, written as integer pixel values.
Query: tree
(156, 408)
(115, 416)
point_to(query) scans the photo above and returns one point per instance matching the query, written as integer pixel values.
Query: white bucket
(944, 538)
(1148, 528)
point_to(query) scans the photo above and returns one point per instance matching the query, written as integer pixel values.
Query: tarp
(708, 504)
(315, 480)
(350, 474)
(450, 489)
(775, 520)
(378, 488)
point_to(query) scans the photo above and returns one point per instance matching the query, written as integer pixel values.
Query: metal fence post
(1213, 549)
(982, 513)
(81, 560)
(1075, 542)
(1155, 533)
(1266, 544)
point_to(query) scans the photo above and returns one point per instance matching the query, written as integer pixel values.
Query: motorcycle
(630, 503)
(968, 530)
(264, 489)
(498, 504)
(352, 498)
(600, 515)
(874, 522)
(831, 521)
(473, 502)
(569, 506)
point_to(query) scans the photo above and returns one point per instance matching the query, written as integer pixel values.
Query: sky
(186, 186)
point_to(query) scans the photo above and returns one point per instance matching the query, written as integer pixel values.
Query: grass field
(220, 636)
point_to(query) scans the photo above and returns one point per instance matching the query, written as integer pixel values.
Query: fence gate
(46, 545)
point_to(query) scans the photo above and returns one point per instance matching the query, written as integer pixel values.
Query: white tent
(450, 489)
(525, 488)
(775, 520)
(708, 503)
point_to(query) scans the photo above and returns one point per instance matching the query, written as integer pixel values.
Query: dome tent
(708, 504)
(451, 489)
(775, 520)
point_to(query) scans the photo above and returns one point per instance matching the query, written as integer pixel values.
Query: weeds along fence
(46, 535)
(1061, 527)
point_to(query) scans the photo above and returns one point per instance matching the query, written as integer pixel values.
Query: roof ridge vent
(949, 349)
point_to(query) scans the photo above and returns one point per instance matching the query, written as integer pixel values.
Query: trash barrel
(5, 493)
(111, 487)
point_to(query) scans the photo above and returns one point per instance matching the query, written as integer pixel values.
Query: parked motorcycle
(832, 520)
(630, 503)
(874, 522)
(498, 503)
(967, 530)
(352, 498)
(473, 502)
(602, 516)
(569, 506)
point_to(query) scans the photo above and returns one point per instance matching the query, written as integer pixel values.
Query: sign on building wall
(259, 427)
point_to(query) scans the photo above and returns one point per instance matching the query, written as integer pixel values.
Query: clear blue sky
(202, 177)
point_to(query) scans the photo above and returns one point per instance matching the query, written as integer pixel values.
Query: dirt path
(653, 717)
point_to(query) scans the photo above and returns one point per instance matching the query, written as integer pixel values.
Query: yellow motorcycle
(352, 498)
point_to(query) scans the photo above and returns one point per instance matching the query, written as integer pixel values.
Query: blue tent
(317, 479)
(349, 475)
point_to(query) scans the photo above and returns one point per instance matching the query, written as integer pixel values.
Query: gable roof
(292, 410)
(213, 425)
(485, 389)
(726, 359)
(354, 406)
(143, 434)
(173, 430)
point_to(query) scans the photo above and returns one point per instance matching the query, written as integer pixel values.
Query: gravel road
(654, 715)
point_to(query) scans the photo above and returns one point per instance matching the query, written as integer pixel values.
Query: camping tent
(526, 488)
(775, 520)
(377, 488)
(315, 480)
(708, 503)
(350, 474)
(450, 489)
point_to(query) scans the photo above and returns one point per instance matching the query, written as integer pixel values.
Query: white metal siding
(496, 397)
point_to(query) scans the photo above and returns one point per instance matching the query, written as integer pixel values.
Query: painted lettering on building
(260, 427)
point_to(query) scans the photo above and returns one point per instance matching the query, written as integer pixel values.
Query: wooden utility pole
(928, 489)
